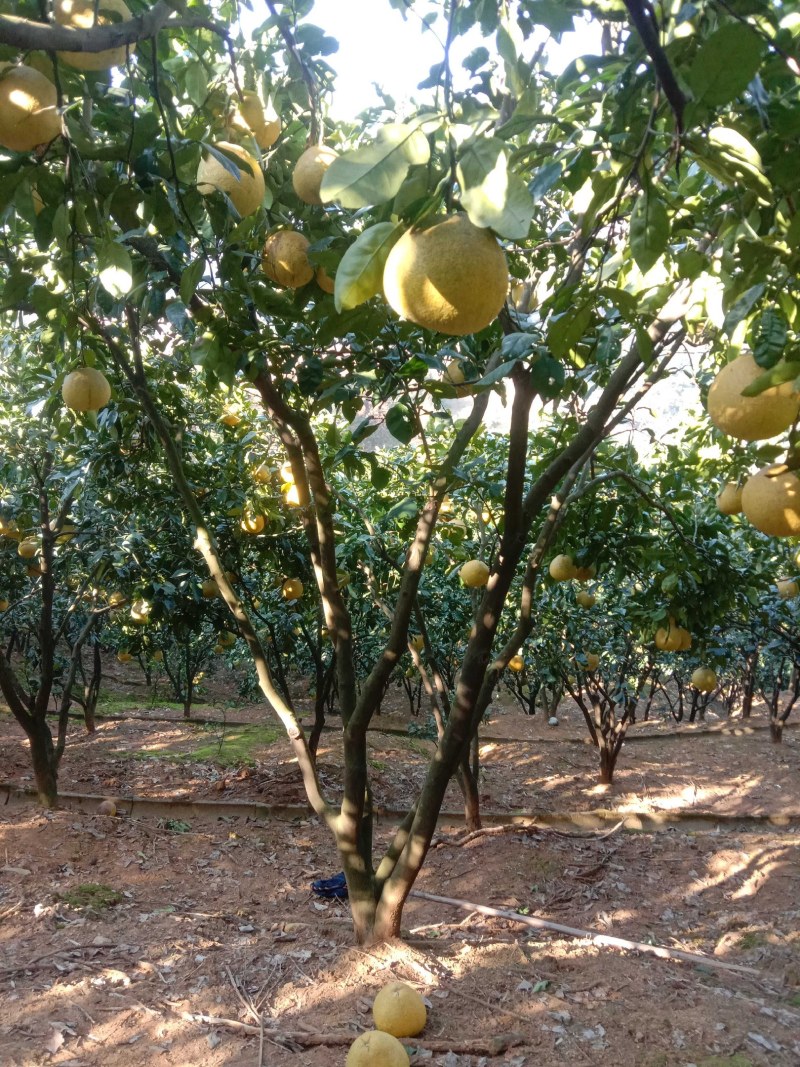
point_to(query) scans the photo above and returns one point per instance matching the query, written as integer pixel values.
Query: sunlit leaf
(359, 275)
(373, 174)
(491, 194)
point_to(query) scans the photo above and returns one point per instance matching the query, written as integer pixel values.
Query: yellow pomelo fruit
(771, 501)
(292, 589)
(562, 569)
(453, 373)
(374, 1048)
(116, 599)
(291, 496)
(28, 115)
(585, 600)
(686, 640)
(245, 190)
(585, 574)
(309, 171)
(218, 649)
(140, 611)
(516, 663)
(324, 280)
(263, 473)
(124, 657)
(669, 638)
(28, 547)
(750, 418)
(474, 574)
(9, 528)
(209, 589)
(787, 589)
(704, 679)
(158, 656)
(452, 277)
(230, 416)
(285, 259)
(252, 524)
(226, 639)
(417, 642)
(729, 501)
(4, 604)
(86, 389)
(107, 807)
(82, 15)
(592, 661)
(399, 1010)
(249, 118)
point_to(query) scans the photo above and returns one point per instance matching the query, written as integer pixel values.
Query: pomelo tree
(553, 238)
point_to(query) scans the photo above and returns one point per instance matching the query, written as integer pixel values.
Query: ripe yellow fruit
(292, 589)
(140, 611)
(262, 473)
(474, 574)
(218, 649)
(399, 1010)
(9, 528)
(562, 569)
(417, 642)
(324, 280)
(249, 117)
(28, 547)
(516, 663)
(293, 497)
(586, 574)
(4, 605)
(116, 599)
(787, 589)
(374, 1048)
(28, 115)
(310, 170)
(124, 657)
(592, 661)
(230, 415)
(209, 589)
(453, 373)
(226, 639)
(252, 524)
(285, 259)
(704, 679)
(771, 501)
(750, 418)
(81, 15)
(585, 600)
(245, 190)
(86, 389)
(287, 474)
(673, 638)
(451, 277)
(158, 656)
(686, 640)
(729, 501)
(107, 807)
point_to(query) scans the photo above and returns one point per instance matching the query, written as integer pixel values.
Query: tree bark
(45, 764)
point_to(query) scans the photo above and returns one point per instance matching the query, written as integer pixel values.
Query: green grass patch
(750, 940)
(234, 746)
(92, 896)
(736, 1060)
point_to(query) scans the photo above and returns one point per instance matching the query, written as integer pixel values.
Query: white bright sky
(376, 44)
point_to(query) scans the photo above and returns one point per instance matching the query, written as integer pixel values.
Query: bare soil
(215, 917)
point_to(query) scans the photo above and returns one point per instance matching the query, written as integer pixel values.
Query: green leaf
(359, 275)
(768, 336)
(742, 308)
(785, 371)
(547, 377)
(190, 279)
(649, 231)
(543, 180)
(725, 64)
(373, 174)
(567, 329)
(196, 82)
(115, 269)
(491, 195)
(552, 14)
(499, 372)
(729, 157)
(309, 376)
(401, 422)
(406, 509)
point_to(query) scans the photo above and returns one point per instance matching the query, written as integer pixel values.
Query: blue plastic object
(331, 888)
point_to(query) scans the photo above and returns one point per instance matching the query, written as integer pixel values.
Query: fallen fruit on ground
(750, 418)
(451, 277)
(374, 1048)
(729, 501)
(474, 574)
(245, 188)
(771, 501)
(562, 569)
(292, 589)
(106, 807)
(86, 389)
(285, 259)
(309, 171)
(83, 15)
(704, 679)
(28, 115)
(399, 1010)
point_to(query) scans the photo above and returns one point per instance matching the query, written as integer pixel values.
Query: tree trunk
(468, 784)
(750, 684)
(776, 731)
(45, 764)
(607, 762)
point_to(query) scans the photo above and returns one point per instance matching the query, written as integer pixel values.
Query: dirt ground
(121, 938)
